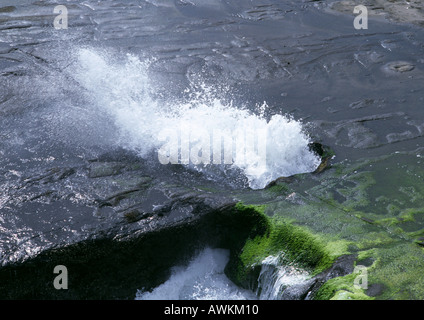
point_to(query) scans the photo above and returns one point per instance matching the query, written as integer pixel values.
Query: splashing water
(202, 279)
(200, 132)
(275, 277)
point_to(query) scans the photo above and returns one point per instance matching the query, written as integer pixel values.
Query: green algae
(399, 267)
(342, 288)
(295, 244)
(298, 246)
(389, 200)
(281, 188)
(373, 208)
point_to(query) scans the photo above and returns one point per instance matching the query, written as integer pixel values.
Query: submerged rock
(398, 67)
(324, 152)
(104, 169)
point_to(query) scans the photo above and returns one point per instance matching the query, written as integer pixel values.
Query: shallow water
(71, 95)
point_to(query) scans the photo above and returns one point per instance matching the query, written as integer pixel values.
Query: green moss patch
(342, 288)
(371, 208)
(298, 246)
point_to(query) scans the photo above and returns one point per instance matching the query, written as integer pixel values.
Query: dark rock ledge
(116, 225)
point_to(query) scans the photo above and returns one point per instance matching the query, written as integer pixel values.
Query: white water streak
(275, 277)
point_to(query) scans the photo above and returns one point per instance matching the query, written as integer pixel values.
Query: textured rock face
(117, 224)
(125, 229)
(111, 223)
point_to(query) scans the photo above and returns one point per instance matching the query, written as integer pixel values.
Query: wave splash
(201, 131)
(202, 279)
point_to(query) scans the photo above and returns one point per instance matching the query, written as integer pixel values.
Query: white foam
(202, 279)
(275, 277)
(124, 90)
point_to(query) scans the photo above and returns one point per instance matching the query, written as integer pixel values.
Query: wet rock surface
(126, 222)
(132, 227)
(399, 66)
(343, 266)
(396, 10)
(66, 201)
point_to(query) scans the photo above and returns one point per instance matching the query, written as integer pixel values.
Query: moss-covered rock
(342, 288)
(274, 238)
(367, 213)
(373, 209)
